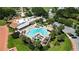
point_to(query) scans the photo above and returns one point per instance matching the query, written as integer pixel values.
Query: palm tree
(77, 30)
(50, 21)
(54, 9)
(56, 42)
(60, 38)
(37, 44)
(60, 28)
(52, 35)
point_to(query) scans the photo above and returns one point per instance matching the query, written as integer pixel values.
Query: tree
(56, 42)
(40, 21)
(50, 21)
(36, 49)
(67, 22)
(37, 44)
(39, 11)
(60, 28)
(53, 34)
(60, 38)
(77, 30)
(6, 12)
(54, 9)
(46, 47)
(16, 34)
(54, 26)
(25, 39)
(74, 25)
(66, 11)
(29, 14)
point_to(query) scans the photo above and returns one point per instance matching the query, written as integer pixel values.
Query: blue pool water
(32, 32)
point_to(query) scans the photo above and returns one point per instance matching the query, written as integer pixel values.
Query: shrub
(16, 35)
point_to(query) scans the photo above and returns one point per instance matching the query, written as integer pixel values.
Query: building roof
(13, 23)
(22, 22)
(57, 24)
(3, 38)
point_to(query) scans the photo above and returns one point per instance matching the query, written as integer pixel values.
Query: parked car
(73, 36)
(70, 34)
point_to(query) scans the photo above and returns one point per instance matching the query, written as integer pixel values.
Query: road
(70, 30)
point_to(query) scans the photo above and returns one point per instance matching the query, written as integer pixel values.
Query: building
(22, 22)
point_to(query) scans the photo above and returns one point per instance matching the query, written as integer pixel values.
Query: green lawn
(18, 43)
(66, 46)
(2, 22)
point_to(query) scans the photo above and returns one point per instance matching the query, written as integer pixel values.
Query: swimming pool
(33, 31)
